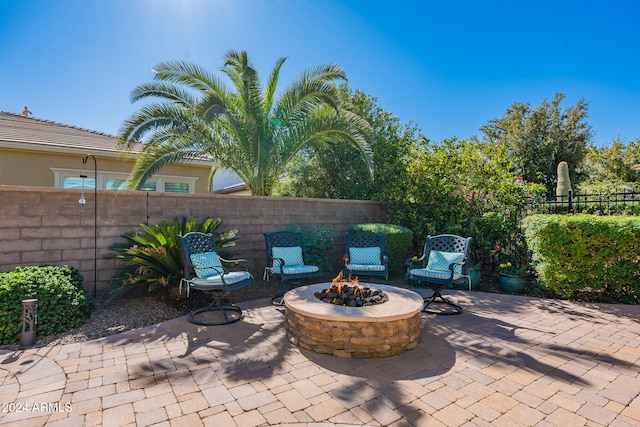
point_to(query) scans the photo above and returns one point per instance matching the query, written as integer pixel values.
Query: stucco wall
(34, 168)
(47, 225)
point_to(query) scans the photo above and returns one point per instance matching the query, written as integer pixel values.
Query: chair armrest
(246, 263)
(452, 266)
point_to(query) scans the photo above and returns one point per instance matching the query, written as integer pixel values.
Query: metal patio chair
(212, 276)
(443, 264)
(365, 256)
(286, 260)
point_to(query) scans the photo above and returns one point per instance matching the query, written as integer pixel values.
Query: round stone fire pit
(354, 332)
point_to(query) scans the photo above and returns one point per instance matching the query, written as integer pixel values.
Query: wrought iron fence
(623, 203)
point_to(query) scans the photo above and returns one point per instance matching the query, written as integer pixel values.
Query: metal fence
(623, 203)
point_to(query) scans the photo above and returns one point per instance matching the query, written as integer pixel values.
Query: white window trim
(160, 179)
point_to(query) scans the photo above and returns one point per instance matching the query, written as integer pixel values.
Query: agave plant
(153, 258)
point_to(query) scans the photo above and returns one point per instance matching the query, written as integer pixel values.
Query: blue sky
(448, 66)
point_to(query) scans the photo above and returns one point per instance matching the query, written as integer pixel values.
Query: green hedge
(397, 241)
(62, 302)
(586, 256)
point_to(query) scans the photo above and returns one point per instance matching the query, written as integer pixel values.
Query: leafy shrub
(153, 258)
(590, 256)
(62, 302)
(397, 242)
(318, 244)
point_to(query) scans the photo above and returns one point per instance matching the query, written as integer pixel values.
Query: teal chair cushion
(364, 256)
(290, 255)
(207, 264)
(296, 269)
(230, 278)
(434, 274)
(365, 267)
(440, 261)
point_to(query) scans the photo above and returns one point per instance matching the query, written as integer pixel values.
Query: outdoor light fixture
(82, 201)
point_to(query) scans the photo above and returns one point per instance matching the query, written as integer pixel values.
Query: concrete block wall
(48, 226)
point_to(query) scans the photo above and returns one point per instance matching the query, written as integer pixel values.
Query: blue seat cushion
(365, 267)
(364, 256)
(296, 269)
(434, 274)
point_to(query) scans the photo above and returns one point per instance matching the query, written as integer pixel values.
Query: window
(70, 178)
(115, 184)
(176, 187)
(77, 182)
(149, 186)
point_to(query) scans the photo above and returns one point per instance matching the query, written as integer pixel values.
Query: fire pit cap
(402, 303)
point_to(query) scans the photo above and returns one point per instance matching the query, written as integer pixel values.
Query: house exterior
(43, 153)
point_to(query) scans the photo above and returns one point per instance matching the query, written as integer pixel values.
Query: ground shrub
(586, 256)
(62, 302)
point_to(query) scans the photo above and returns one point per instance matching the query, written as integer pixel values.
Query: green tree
(608, 168)
(336, 172)
(538, 139)
(464, 187)
(247, 128)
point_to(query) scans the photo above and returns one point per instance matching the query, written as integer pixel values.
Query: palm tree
(247, 129)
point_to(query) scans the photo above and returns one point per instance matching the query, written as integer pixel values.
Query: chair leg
(439, 299)
(278, 299)
(228, 313)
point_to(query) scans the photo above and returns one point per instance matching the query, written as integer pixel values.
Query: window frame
(160, 179)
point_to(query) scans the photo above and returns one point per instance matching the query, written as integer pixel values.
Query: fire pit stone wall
(354, 332)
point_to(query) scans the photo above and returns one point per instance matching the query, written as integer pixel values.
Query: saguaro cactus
(564, 183)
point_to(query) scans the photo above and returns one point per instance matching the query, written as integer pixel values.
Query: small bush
(397, 242)
(62, 302)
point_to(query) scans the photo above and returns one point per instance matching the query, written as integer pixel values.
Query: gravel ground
(137, 311)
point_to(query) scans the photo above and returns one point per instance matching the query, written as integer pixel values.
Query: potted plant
(474, 270)
(511, 278)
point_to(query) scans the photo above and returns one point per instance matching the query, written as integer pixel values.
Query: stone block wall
(48, 226)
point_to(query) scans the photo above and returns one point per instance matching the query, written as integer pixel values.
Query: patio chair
(443, 264)
(365, 256)
(286, 260)
(212, 276)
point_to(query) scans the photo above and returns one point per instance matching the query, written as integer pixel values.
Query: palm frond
(156, 156)
(188, 74)
(169, 91)
(151, 118)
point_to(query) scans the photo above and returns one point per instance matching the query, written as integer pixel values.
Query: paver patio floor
(505, 361)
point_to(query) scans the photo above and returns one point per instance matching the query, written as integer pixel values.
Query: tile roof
(17, 128)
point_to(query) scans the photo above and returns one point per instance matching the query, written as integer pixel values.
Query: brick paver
(506, 360)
